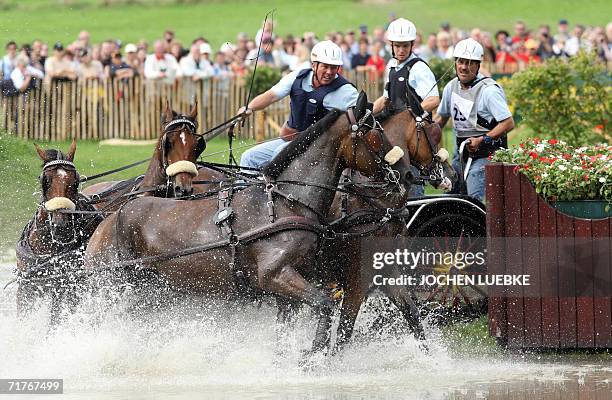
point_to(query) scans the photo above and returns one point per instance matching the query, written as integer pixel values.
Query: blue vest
(307, 107)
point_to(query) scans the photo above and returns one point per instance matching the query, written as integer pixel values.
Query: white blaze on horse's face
(62, 173)
(183, 139)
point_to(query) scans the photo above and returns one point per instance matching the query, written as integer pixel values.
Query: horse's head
(59, 182)
(179, 147)
(367, 150)
(424, 153)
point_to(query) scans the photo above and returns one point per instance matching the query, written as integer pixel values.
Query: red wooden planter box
(568, 304)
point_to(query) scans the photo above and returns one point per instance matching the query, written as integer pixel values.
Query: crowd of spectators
(169, 59)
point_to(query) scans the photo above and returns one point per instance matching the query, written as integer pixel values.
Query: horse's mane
(296, 147)
(386, 113)
(53, 154)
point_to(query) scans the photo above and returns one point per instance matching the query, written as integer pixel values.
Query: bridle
(182, 124)
(52, 165)
(360, 130)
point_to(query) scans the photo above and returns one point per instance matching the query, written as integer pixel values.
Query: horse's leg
(351, 303)
(25, 297)
(401, 297)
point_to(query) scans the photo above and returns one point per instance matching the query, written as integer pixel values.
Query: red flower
(553, 141)
(566, 156)
(533, 155)
(544, 159)
(585, 177)
(522, 145)
(552, 160)
(536, 140)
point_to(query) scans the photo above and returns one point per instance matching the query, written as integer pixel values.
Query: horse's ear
(362, 105)
(193, 114)
(72, 150)
(41, 152)
(168, 116)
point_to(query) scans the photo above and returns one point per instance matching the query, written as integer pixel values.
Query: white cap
(468, 49)
(326, 52)
(205, 48)
(131, 48)
(226, 46)
(401, 30)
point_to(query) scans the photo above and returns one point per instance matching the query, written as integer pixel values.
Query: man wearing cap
(408, 80)
(477, 105)
(89, 68)
(57, 67)
(313, 92)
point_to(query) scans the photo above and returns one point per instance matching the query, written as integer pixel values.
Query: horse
(267, 236)
(170, 172)
(52, 242)
(340, 256)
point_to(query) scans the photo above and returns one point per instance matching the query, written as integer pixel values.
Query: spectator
(349, 39)
(599, 42)
(267, 32)
(303, 60)
(360, 59)
(118, 68)
(205, 63)
(106, 51)
(527, 53)
(265, 54)
(176, 49)
(545, 50)
(57, 68)
(237, 66)
(445, 27)
(83, 40)
(376, 63)
(520, 33)
(131, 58)
(490, 55)
(190, 64)
(89, 68)
(504, 58)
(23, 75)
(160, 66)
(220, 68)
(559, 49)
(8, 61)
(418, 43)
(168, 39)
(576, 42)
(429, 49)
(443, 44)
(285, 56)
(562, 31)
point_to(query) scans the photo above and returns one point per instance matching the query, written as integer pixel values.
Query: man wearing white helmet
(480, 113)
(313, 92)
(408, 79)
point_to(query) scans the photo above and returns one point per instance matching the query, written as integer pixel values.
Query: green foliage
(567, 100)
(265, 78)
(443, 70)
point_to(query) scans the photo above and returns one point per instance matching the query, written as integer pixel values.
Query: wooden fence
(132, 108)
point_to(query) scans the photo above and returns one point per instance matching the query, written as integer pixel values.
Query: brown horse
(172, 167)
(340, 261)
(274, 231)
(50, 246)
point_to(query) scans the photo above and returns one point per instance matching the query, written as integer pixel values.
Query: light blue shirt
(420, 78)
(491, 104)
(342, 98)
(7, 66)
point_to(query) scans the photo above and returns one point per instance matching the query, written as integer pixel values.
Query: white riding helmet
(401, 30)
(326, 52)
(468, 49)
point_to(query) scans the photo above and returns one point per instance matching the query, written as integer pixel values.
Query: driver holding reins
(480, 113)
(313, 92)
(409, 82)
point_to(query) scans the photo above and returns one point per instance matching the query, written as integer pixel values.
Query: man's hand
(474, 143)
(244, 111)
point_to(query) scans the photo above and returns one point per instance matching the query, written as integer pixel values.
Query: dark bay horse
(275, 229)
(53, 241)
(340, 260)
(172, 167)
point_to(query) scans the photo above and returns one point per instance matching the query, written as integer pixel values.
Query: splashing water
(194, 347)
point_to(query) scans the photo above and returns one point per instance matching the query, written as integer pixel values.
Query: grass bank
(220, 21)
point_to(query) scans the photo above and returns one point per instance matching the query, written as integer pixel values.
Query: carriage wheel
(451, 234)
